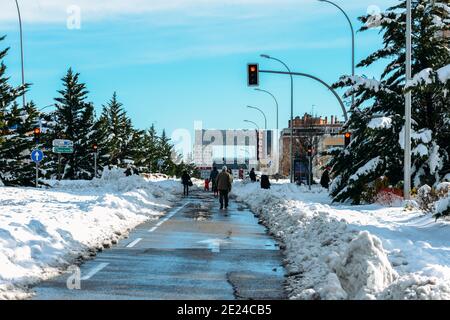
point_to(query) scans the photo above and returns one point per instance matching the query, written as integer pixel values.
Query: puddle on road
(198, 212)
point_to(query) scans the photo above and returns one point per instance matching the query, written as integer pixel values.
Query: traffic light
(309, 151)
(347, 137)
(37, 135)
(253, 75)
(94, 147)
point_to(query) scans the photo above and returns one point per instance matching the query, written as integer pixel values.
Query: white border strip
(167, 217)
(94, 271)
(135, 242)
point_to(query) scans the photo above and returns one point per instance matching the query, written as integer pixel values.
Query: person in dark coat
(325, 179)
(252, 175)
(265, 183)
(224, 183)
(213, 179)
(186, 181)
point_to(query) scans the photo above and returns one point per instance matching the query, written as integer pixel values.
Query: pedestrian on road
(206, 184)
(224, 182)
(213, 178)
(265, 183)
(241, 173)
(252, 175)
(325, 179)
(186, 181)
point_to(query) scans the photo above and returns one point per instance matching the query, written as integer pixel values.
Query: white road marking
(170, 215)
(135, 242)
(94, 271)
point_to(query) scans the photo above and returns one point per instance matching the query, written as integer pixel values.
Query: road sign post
(37, 156)
(61, 146)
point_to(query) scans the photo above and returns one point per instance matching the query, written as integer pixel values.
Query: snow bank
(335, 251)
(43, 231)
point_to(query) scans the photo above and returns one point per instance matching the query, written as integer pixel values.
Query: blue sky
(173, 62)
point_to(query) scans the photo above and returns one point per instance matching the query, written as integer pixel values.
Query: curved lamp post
(262, 112)
(292, 113)
(256, 125)
(21, 52)
(275, 99)
(353, 39)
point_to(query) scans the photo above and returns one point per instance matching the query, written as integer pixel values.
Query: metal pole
(264, 115)
(59, 166)
(275, 99)
(37, 175)
(309, 172)
(21, 52)
(408, 98)
(95, 164)
(291, 148)
(353, 40)
(344, 111)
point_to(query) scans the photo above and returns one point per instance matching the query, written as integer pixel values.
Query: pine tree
(14, 122)
(116, 137)
(375, 155)
(74, 120)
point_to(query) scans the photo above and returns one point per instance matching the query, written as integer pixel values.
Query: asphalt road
(195, 252)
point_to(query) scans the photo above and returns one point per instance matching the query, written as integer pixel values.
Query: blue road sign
(37, 155)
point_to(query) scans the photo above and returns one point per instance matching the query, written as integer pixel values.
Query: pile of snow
(336, 251)
(44, 231)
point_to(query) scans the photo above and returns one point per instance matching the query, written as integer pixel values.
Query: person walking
(325, 179)
(224, 182)
(265, 183)
(186, 181)
(213, 178)
(252, 175)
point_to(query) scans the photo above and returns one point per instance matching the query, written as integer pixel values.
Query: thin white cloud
(54, 11)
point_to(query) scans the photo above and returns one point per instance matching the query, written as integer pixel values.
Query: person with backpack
(186, 181)
(224, 182)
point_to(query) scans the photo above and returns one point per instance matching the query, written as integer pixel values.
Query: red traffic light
(37, 130)
(347, 136)
(95, 147)
(253, 74)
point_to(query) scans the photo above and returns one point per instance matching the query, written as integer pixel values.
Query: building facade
(319, 133)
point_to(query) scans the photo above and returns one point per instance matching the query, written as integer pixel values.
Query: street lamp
(408, 98)
(292, 112)
(353, 40)
(275, 99)
(256, 125)
(264, 115)
(21, 52)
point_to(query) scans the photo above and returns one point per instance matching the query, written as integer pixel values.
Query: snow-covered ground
(43, 231)
(336, 251)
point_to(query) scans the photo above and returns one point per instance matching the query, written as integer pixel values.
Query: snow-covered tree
(116, 138)
(15, 123)
(375, 155)
(73, 120)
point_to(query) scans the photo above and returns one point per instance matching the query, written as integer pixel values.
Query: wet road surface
(194, 252)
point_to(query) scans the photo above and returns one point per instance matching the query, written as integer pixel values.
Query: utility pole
(408, 98)
(21, 52)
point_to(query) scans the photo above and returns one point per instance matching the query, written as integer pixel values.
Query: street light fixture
(262, 112)
(353, 40)
(292, 112)
(252, 122)
(21, 53)
(275, 99)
